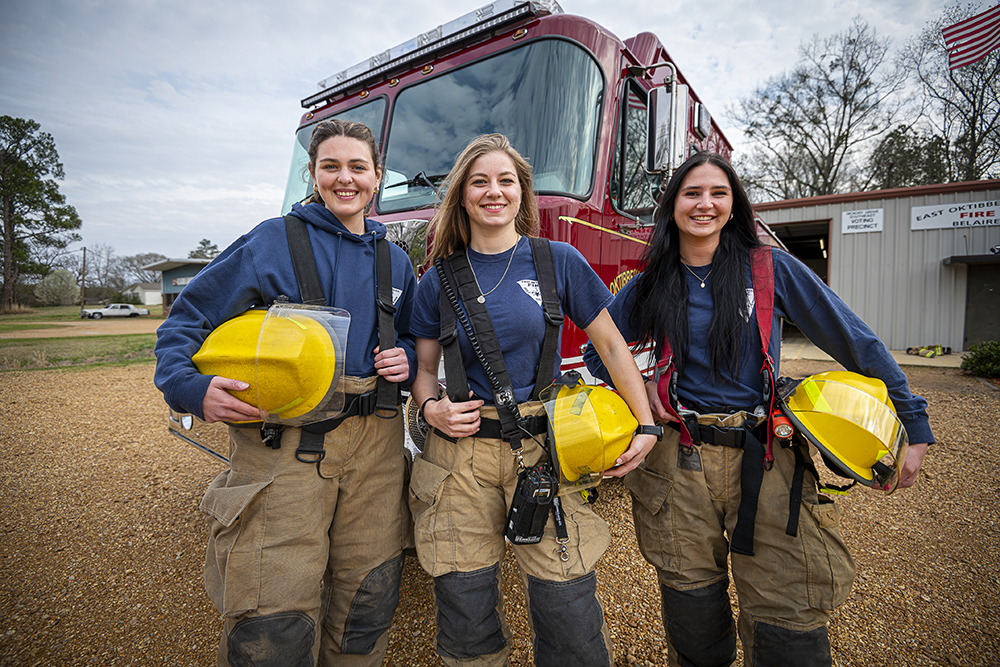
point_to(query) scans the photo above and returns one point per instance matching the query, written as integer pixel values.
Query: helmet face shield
(851, 420)
(589, 428)
(299, 364)
(291, 356)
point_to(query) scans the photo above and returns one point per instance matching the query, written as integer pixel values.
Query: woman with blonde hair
(467, 477)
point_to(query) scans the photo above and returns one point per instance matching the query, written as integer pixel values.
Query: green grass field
(68, 352)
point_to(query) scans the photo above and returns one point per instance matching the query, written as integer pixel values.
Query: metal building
(921, 266)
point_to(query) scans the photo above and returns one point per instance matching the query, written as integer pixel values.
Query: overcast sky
(174, 119)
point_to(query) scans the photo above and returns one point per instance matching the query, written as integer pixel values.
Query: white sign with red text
(955, 216)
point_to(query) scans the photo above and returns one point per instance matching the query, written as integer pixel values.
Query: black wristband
(432, 398)
(650, 429)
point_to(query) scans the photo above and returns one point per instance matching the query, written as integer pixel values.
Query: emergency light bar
(481, 20)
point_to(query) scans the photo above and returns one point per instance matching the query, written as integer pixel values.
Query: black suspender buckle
(270, 435)
(311, 448)
(366, 403)
(556, 319)
(388, 308)
(448, 337)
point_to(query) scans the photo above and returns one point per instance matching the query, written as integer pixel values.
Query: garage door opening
(810, 242)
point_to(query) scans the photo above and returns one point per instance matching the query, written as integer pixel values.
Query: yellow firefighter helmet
(589, 428)
(290, 355)
(852, 421)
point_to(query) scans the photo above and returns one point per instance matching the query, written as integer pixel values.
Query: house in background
(176, 273)
(920, 265)
(149, 294)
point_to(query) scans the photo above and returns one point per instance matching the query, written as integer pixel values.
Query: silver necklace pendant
(510, 260)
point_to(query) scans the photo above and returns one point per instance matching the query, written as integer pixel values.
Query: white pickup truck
(114, 310)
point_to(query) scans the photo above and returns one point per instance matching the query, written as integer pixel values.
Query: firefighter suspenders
(456, 273)
(386, 396)
(758, 457)
(475, 320)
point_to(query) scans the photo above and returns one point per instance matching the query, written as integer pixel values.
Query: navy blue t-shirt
(799, 297)
(515, 307)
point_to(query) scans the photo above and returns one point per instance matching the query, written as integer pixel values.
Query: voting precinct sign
(854, 222)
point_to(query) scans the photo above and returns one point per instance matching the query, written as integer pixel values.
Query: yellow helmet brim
(853, 423)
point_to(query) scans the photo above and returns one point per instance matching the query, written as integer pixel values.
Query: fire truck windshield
(544, 96)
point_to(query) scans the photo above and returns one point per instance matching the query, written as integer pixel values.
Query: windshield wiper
(421, 179)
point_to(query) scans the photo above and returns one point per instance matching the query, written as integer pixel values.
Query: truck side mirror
(666, 135)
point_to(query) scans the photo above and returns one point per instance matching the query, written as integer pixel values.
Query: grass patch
(6, 326)
(62, 313)
(45, 314)
(19, 354)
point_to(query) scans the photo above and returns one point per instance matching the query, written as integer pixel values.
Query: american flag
(972, 39)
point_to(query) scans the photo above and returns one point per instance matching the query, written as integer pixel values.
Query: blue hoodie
(255, 270)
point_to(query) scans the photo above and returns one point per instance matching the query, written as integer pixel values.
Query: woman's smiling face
(704, 203)
(345, 177)
(492, 192)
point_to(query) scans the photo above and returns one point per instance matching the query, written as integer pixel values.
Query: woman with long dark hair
(714, 488)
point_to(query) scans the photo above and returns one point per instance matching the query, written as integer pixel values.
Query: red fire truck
(602, 121)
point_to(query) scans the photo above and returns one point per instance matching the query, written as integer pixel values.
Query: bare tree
(104, 268)
(72, 262)
(964, 106)
(812, 128)
(134, 273)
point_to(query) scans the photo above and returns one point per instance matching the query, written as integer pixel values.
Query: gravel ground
(101, 556)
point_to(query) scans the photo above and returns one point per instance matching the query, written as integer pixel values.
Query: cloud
(175, 118)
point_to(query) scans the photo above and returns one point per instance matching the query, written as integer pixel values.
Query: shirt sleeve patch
(396, 293)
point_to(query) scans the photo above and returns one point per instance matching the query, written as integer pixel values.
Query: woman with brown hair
(307, 530)
(467, 477)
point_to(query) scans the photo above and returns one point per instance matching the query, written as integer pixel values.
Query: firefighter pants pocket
(829, 566)
(651, 513)
(230, 493)
(232, 565)
(431, 520)
(591, 535)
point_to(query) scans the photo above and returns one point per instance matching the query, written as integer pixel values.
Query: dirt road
(101, 555)
(87, 327)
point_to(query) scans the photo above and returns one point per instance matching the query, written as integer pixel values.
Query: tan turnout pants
(304, 559)
(684, 507)
(459, 496)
